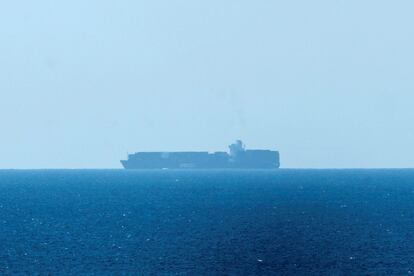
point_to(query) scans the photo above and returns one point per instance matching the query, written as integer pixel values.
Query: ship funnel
(236, 148)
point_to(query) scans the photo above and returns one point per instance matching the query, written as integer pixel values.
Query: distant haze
(328, 83)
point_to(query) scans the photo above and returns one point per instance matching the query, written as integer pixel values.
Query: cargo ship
(236, 158)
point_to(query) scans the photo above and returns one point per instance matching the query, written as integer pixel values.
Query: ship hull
(249, 159)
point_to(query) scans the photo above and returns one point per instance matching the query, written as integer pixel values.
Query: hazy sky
(328, 83)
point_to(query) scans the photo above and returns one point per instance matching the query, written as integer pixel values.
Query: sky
(327, 83)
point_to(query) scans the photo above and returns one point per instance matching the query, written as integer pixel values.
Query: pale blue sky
(328, 83)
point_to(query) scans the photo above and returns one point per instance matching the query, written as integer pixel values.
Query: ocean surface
(300, 222)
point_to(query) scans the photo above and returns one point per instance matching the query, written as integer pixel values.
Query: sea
(281, 222)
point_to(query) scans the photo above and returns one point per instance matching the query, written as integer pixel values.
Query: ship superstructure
(237, 158)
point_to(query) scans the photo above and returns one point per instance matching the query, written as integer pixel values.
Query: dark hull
(202, 160)
(129, 166)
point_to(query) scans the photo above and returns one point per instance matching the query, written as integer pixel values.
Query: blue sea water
(101, 222)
